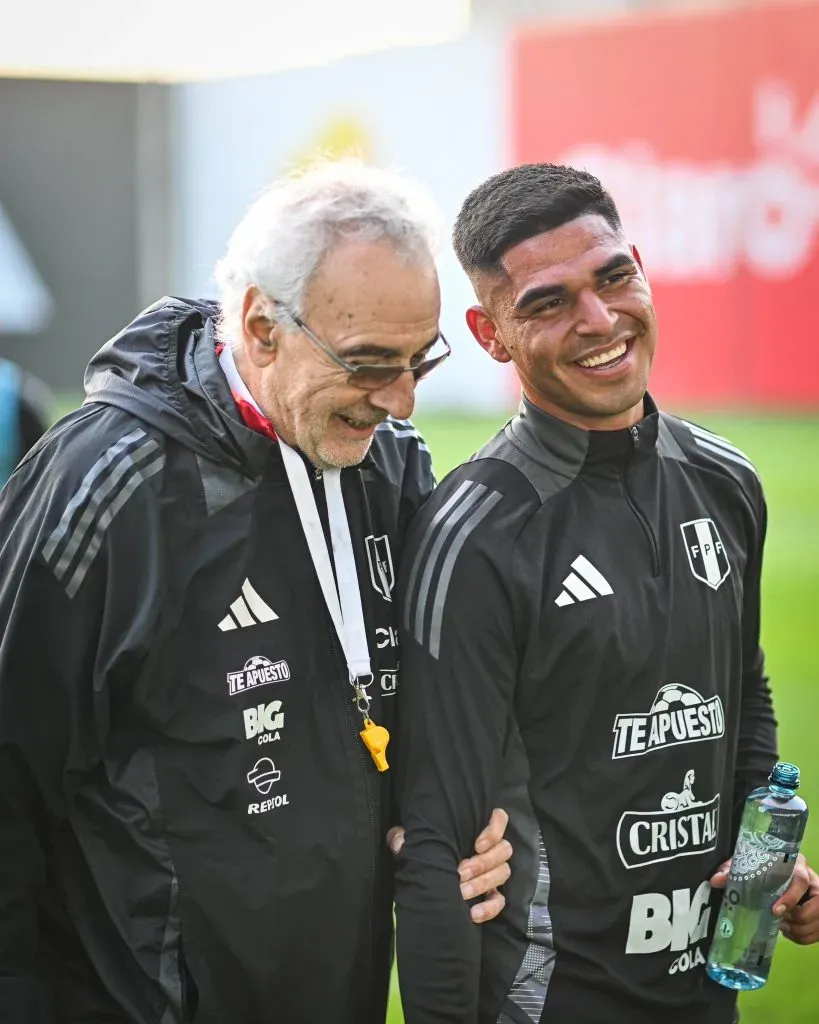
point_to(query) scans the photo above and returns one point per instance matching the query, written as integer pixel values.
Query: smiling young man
(580, 636)
(199, 654)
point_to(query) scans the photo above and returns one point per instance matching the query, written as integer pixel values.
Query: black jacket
(189, 822)
(580, 646)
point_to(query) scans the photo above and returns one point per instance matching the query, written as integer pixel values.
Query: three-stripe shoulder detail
(434, 563)
(718, 446)
(402, 430)
(71, 548)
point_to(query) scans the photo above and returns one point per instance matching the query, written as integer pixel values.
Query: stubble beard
(325, 452)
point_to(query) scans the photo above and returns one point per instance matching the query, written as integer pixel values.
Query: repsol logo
(685, 827)
(273, 804)
(677, 715)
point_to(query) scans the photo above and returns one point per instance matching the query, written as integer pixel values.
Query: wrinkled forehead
(566, 256)
(366, 281)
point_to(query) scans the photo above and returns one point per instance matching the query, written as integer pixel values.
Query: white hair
(282, 239)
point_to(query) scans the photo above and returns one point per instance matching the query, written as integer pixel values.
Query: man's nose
(397, 398)
(593, 315)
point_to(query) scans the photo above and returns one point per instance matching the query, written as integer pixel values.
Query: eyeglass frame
(419, 372)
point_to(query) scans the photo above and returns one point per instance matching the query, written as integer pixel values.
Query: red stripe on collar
(251, 417)
(254, 419)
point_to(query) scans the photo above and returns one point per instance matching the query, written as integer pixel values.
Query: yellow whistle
(376, 738)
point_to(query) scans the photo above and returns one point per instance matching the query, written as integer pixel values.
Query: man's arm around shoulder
(458, 672)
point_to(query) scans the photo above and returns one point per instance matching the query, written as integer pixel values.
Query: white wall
(435, 112)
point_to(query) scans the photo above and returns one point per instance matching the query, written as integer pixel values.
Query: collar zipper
(641, 519)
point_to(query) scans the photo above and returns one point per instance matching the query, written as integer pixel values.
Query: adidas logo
(583, 584)
(248, 610)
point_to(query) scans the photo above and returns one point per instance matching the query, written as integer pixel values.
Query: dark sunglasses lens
(428, 365)
(371, 377)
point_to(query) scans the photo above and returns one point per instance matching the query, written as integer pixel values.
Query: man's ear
(483, 330)
(260, 331)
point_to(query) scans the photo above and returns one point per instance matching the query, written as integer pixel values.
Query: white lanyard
(344, 602)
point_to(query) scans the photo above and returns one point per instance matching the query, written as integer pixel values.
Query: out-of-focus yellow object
(338, 137)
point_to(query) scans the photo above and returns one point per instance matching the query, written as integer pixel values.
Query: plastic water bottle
(773, 823)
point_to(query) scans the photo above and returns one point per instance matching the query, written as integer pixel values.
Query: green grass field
(786, 453)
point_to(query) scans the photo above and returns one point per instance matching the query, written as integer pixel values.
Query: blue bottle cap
(785, 774)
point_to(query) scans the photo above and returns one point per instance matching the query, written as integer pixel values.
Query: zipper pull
(319, 474)
(635, 435)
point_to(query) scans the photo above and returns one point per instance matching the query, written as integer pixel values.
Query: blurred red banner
(705, 127)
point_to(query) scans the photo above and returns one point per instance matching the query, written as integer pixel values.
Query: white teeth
(605, 357)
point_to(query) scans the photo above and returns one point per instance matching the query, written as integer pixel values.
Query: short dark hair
(520, 203)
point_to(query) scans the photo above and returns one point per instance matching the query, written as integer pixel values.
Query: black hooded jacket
(190, 826)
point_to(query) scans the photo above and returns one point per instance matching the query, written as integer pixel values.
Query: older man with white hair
(199, 659)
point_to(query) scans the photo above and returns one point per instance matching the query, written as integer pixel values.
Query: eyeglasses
(370, 376)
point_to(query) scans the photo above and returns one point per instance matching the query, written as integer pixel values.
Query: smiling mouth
(358, 424)
(608, 358)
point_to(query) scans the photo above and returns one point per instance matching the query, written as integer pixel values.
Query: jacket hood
(163, 369)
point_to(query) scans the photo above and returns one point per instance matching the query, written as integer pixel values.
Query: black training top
(581, 647)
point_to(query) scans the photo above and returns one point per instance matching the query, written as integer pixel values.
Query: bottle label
(755, 853)
(772, 937)
(764, 858)
(790, 825)
(726, 928)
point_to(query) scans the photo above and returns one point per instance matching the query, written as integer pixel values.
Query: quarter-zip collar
(565, 449)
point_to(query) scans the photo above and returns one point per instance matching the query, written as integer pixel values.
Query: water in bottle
(773, 823)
